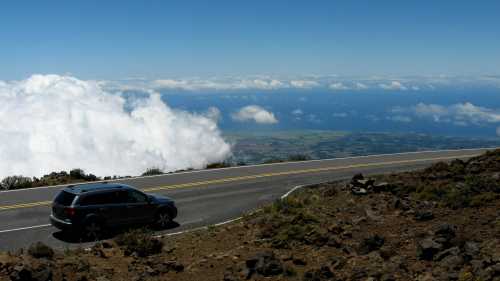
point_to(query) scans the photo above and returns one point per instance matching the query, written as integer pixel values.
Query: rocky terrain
(440, 223)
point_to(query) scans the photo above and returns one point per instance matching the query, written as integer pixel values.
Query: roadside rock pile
(453, 259)
(361, 186)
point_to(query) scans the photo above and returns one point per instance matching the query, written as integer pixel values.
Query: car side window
(112, 197)
(92, 199)
(136, 197)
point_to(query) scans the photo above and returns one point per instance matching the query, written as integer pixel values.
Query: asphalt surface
(208, 196)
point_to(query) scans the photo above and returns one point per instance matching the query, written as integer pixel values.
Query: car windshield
(65, 198)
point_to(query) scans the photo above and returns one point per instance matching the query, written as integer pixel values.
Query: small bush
(40, 250)
(152, 172)
(139, 241)
(299, 157)
(77, 174)
(273, 160)
(483, 199)
(218, 165)
(287, 205)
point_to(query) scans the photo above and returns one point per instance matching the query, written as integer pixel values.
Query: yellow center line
(264, 175)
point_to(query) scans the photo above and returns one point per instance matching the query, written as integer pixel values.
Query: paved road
(208, 196)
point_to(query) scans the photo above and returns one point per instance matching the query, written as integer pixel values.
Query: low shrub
(139, 241)
(40, 250)
(152, 172)
(218, 165)
(483, 199)
(299, 157)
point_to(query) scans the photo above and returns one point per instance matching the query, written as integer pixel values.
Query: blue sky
(120, 39)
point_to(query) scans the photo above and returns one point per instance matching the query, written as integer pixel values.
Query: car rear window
(65, 198)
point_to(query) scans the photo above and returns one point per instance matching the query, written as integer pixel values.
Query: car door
(139, 209)
(106, 205)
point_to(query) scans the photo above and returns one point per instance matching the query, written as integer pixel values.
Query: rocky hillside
(441, 223)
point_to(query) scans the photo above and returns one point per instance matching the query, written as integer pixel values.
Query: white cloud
(372, 117)
(338, 86)
(297, 111)
(218, 84)
(173, 84)
(304, 84)
(435, 111)
(394, 85)
(360, 86)
(214, 114)
(52, 123)
(461, 112)
(340, 115)
(400, 118)
(313, 118)
(255, 113)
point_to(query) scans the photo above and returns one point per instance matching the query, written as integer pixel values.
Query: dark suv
(89, 208)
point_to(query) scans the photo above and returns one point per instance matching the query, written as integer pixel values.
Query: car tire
(163, 219)
(93, 229)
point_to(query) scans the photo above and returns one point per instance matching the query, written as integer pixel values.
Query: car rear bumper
(61, 224)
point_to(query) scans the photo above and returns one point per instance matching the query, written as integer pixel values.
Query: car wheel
(163, 219)
(93, 229)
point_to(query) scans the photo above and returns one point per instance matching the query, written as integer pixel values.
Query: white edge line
(24, 228)
(235, 219)
(251, 166)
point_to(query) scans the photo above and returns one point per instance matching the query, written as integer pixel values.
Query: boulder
(370, 244)
(367, 183)
(423, 215)
(299, 261)
(27, 273)
(381, 187)
(471, 250)
(265, 264)
(427, 248)
(453, 251)
(174, 266)
(359, 185)
(21, 273)
(357, 177)
(444, 233)
(401, 204)
(452, 262)
(358, 190)
(319, 274)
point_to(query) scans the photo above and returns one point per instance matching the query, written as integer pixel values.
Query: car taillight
(69, 211)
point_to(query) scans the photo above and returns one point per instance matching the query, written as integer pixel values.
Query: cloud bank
(394, 85)
(460, 114)
(254, 113)
(303, 83)
(218, 84)
(52, 123)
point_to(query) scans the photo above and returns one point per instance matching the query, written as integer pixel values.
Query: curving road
(207, 196)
